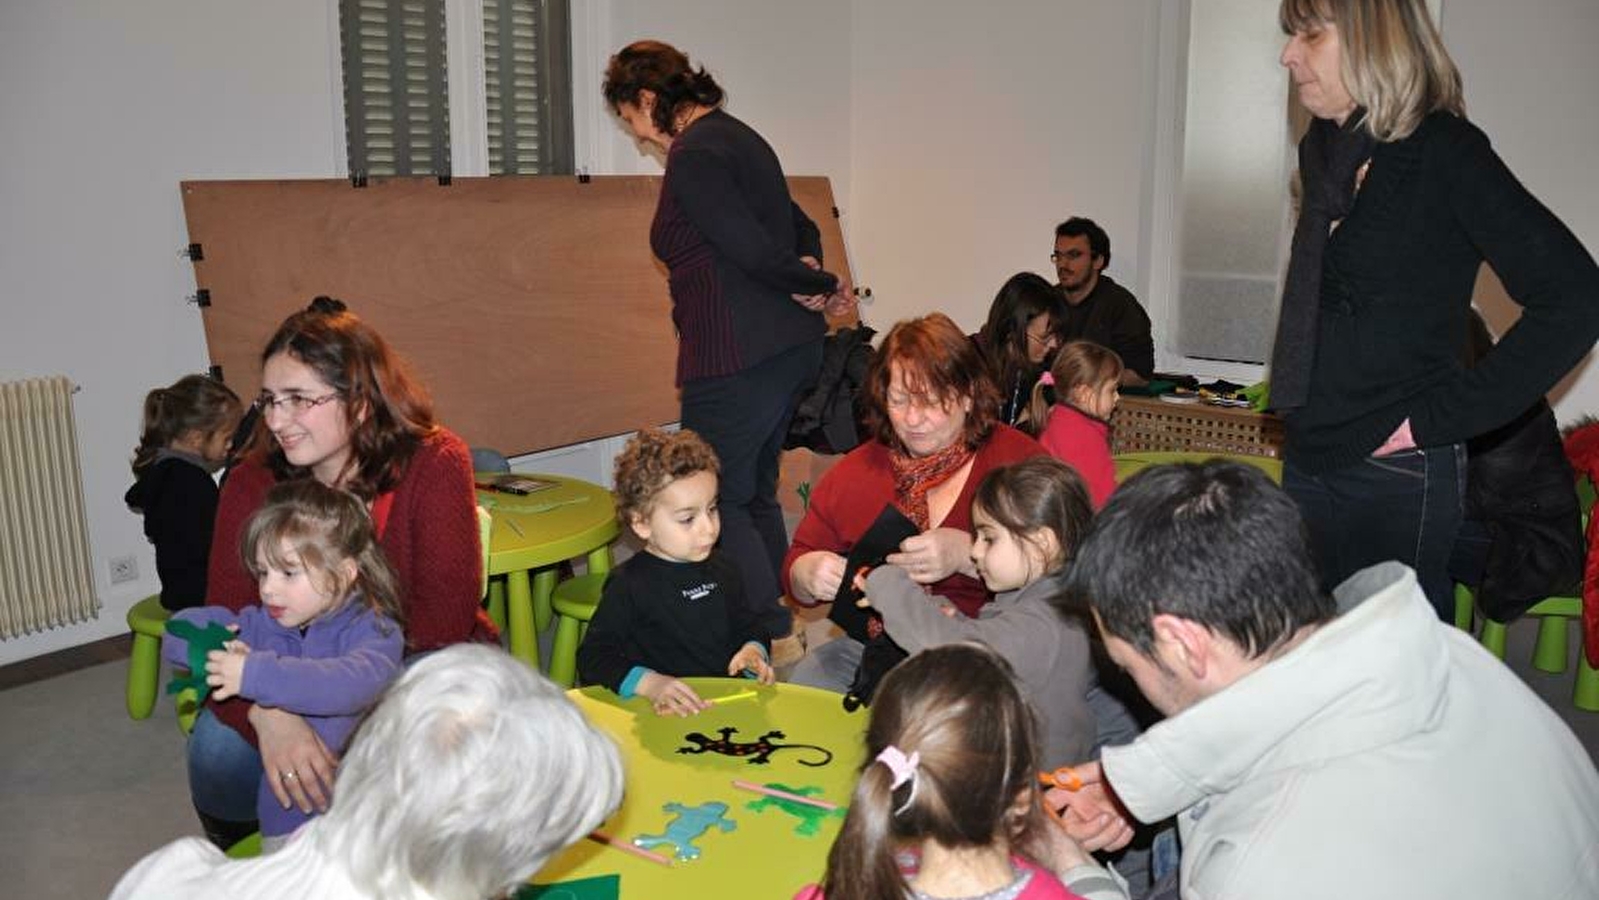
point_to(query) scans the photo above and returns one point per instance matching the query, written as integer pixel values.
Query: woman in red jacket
(933, 413)
(338, 405)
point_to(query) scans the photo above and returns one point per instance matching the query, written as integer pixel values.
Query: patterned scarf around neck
(1330, 155)
(914, 476)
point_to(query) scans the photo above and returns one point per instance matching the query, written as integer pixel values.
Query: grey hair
(471, 772)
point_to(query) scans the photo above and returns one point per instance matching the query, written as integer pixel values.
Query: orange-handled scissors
(1065, 778)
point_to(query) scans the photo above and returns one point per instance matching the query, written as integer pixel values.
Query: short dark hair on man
(1216, 543)
(1098, 240)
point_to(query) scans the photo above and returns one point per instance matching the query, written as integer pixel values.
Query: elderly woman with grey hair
(425, 806)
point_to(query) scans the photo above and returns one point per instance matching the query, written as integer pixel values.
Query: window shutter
(527, 84)
(396, 100)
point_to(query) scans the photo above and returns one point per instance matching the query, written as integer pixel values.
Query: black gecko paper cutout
(759, 750)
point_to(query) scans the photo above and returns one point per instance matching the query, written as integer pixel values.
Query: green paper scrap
(1258, 395)
(527, 508)
(602, 887)
(201, 642)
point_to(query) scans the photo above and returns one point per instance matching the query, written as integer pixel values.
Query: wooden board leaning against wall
(530, 306)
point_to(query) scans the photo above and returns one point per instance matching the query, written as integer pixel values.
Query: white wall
(1530, 72)
(978, 127)
(107, 105)
(785, 67)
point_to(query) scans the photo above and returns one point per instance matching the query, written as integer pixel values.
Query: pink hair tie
(903, 768)
(1048, 378)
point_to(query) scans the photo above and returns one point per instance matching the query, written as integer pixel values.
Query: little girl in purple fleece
(325, 639)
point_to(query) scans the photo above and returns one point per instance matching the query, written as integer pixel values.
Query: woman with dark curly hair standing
(748, 292)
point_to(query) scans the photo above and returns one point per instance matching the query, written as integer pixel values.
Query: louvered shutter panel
(527, 83)
(396, 90)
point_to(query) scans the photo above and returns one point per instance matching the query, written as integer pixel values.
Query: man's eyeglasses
(295, 405)
(1057, 256)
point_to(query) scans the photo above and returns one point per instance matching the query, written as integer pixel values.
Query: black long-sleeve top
(1397, 281)
(1111, 317)
(675, 618)
(179, 502)
(731, 238)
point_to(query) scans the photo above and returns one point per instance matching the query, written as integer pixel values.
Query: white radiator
(46, 579)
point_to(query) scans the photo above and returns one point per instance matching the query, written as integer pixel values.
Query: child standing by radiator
(678, 608)
(1070, 413)
(184, 438)
(325, 639)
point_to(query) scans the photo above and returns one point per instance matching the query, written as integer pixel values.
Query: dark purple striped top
(731, 239)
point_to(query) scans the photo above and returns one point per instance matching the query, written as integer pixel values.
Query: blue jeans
(744, 417)
(1405, 507)
(224, 771)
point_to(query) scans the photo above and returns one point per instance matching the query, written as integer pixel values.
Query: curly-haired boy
(677, 609)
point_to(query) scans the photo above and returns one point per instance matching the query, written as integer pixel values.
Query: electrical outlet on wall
(124, 569)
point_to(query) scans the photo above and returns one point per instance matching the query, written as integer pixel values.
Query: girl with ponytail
(948, 803)
(184, 437)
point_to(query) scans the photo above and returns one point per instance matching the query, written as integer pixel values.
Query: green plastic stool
(148, 619)
(1550, 652)
(248, 847)
(1465, 602)
(574, 602)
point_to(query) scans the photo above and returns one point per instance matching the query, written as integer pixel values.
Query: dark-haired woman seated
(338, 405)
(1019, 339)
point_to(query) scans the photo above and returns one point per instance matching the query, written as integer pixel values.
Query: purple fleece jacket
(329, 672)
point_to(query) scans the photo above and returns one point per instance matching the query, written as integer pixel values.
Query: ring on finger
(289, 776)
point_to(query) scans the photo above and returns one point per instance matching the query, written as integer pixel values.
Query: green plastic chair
(1129, 463)
(148, 620)
(574, 602)
(1550, 652)
(494, 600)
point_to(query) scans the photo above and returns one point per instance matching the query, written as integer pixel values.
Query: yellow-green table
(765, 854)
(533, 533)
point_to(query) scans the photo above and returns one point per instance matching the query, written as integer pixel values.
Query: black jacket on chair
(1520, 486)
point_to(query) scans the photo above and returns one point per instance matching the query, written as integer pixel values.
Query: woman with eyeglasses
(932, 417)
(1019, 339)
(339, 405)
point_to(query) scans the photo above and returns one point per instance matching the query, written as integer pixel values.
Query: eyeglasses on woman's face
(294, 405)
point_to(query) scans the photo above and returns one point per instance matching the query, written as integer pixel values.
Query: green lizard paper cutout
(201, 642)
(811, 817)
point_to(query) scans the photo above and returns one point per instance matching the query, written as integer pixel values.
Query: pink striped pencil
(782, 795)
(627, 847)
